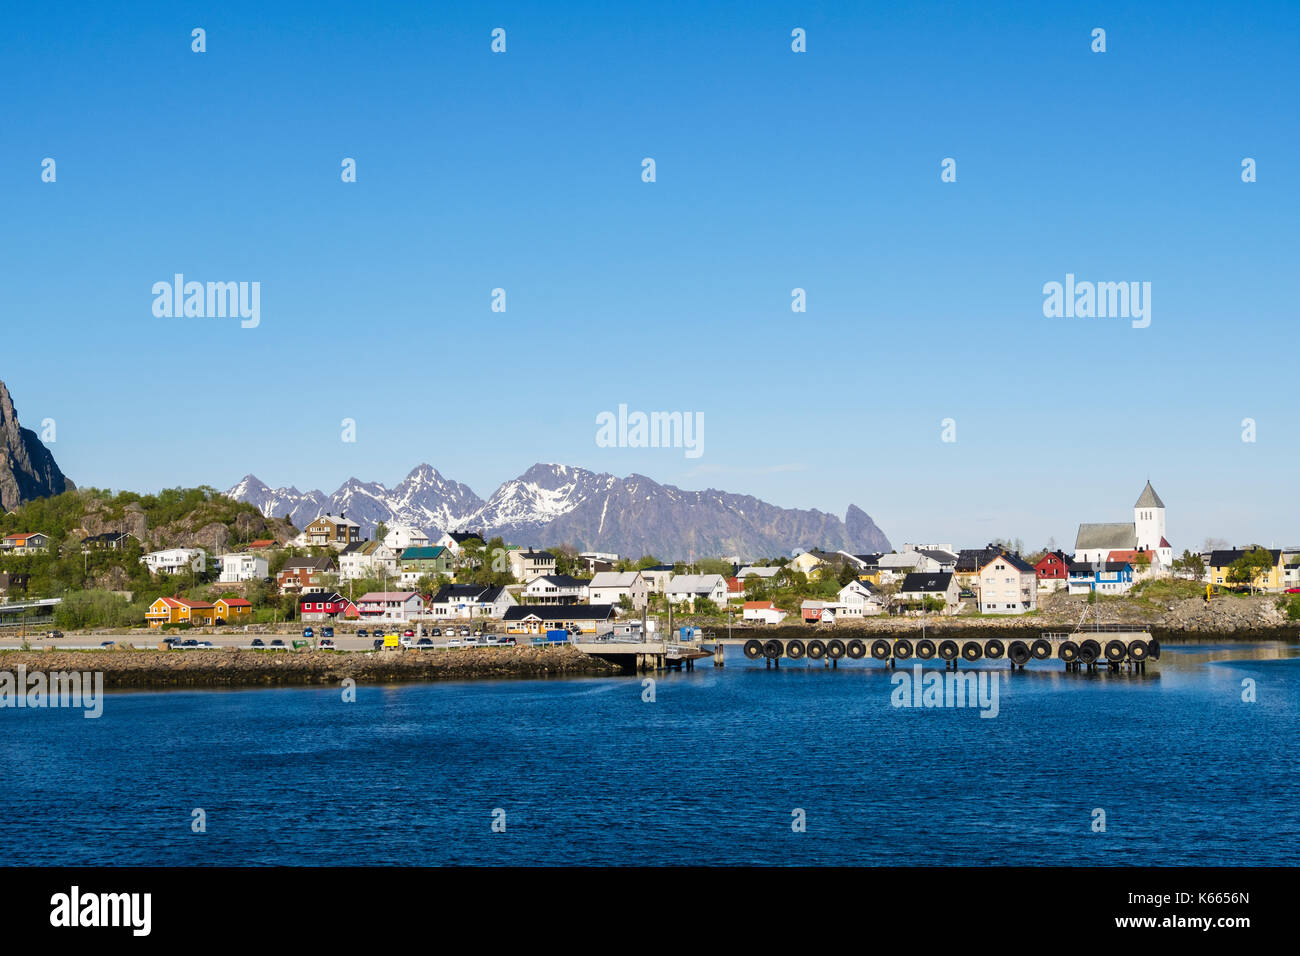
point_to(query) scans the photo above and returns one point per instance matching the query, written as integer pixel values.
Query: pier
(645, 656)
(1114, 647)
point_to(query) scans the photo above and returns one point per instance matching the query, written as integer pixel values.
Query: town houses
(409, 575)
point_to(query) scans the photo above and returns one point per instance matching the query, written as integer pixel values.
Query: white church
(1097, 542)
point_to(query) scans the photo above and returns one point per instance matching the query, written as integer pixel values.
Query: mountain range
(552, 504)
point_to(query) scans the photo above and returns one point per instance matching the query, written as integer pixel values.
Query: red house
(325, 606)
(1053, 571)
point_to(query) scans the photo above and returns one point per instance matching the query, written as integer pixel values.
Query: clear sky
(775, 170)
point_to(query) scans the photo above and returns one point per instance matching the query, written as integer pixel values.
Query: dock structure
(1116, 647)
(645, 656)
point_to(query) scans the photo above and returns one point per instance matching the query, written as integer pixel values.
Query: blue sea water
(711, 772)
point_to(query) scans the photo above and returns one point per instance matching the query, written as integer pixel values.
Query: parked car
(455, 642)
(1293, 590)
(277, 643)
(190, 643)
(362, 633)
(379, 644)
(326, 644)
(424, 642)
(327, 632)
(258, 642)
(408, 633)
(508, 640)
(54, 635)
(108, 644)
(196, 643)
(377, 633)
(436, 632)
(464, 632)
(308, 633)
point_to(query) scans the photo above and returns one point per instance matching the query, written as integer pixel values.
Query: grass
(1167, 589)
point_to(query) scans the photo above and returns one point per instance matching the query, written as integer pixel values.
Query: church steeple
(1149, 498)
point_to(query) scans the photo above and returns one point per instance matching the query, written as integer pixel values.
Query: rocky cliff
(27, 469)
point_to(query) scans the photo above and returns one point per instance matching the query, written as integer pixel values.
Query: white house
(859, 599)
(526, 565)
(242, 567)
(556, 589)
(918, 587)
(176, 560)
(452, 540)
(471, 600)
(610, 587)
(365, 559)
(687, 587)
(657, 577)
(397, 606)
(764, 574)
(1007, 585)
(764, 611)
(403, 536)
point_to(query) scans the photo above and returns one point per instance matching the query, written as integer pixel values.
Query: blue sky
(775, 170)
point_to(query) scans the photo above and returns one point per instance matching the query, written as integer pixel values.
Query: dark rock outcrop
(27, 469)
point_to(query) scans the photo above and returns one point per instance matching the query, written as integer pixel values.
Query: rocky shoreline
(233, 667)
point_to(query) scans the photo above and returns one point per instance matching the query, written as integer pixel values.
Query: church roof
(1109, 536)
(1149, 498)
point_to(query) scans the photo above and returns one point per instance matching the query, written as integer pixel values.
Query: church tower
(1149, 525)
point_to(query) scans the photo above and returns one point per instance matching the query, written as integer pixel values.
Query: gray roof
(1112, 535)
(1149, 498)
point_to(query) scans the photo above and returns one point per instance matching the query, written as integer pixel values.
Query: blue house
(1104, 577)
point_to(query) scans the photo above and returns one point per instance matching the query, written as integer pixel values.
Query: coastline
(243, 668)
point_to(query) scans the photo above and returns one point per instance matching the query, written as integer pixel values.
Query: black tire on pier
(948, 650)
(902, 649)
(816, 649)
(1089, 651)
(994, 649)
(1155, 649)
(753, 649)
(857, 650)
(925, 649)
(773, 649)
(880, 649)
(971, 651)
(1115, 650)
(1019, 653)
(1068, 651)
(1041, 649)
(1139, 651)
(794, 650)
(835, 649)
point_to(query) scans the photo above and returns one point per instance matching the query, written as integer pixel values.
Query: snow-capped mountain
(553, 504)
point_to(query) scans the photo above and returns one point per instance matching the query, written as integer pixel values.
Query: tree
(1191, 564)
(381, 532)
(1251, 567)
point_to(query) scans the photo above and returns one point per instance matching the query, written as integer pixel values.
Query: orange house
(232, 610)
(179, 611)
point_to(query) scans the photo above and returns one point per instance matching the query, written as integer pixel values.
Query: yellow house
(179, 611)
(1220, 565)
(807, 562)
(232, 610)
